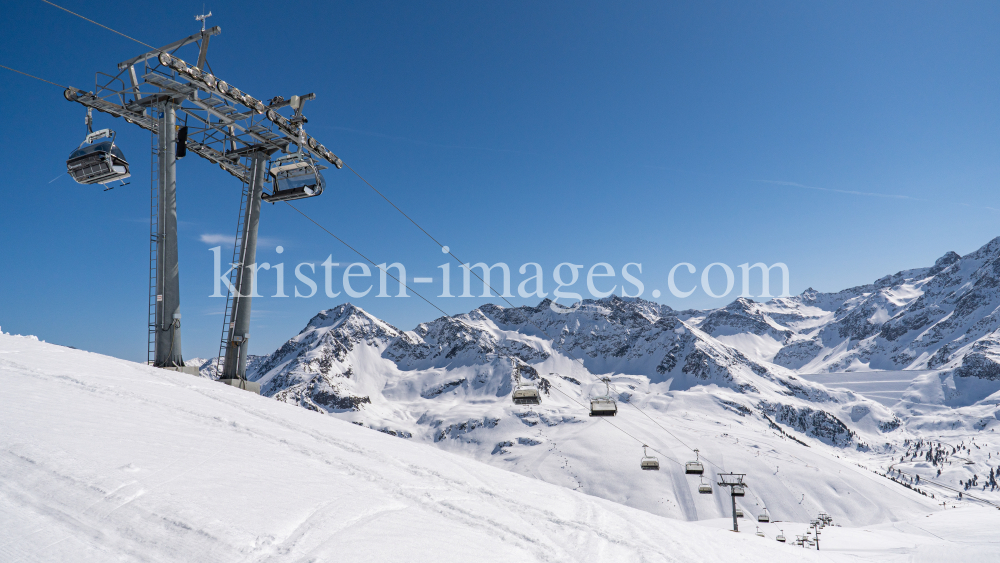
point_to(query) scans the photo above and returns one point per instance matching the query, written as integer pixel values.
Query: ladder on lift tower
(227, 317)
(154, 228)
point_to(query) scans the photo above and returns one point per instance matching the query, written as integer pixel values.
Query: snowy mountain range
(679, 376)
(945, 317)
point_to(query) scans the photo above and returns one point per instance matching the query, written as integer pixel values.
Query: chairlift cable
(33, 76)
(100, 25)
(356, 251)
(671, 433)
(403, 213)
(623, 431)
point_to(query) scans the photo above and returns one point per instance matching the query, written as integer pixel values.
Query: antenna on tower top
(203, 17)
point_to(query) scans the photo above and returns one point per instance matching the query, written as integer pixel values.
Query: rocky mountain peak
(989, 251)
(948, 259)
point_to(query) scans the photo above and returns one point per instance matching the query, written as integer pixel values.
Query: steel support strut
(736, 526)
(235, 369)
(168, 296)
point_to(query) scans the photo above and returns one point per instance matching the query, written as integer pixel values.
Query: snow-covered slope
(106, 460)
(448, 383)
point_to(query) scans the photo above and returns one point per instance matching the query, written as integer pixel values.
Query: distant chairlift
(759, 533)
(604, 405)
(781, 536)
(648, 463)
(98, 163)
(765, 517)
(694, 467)
(295, 176)
(704, 488)
(525, 394)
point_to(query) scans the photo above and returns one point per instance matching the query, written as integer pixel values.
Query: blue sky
(848, 140)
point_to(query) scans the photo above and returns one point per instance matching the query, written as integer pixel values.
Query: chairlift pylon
(98, 162)
(648, 463)
(604, 405)
(694, 467)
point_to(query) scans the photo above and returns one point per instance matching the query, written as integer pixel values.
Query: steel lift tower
(186, 108)
(736, 489)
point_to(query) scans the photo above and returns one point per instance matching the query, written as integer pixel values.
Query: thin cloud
(834, 190)
(210, 238)
(228, 240)
(865, 194)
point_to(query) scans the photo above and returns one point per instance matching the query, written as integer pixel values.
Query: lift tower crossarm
(171, 47)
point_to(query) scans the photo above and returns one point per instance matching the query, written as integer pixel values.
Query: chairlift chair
(694, 467)
(604, 405)
(759, 533)
(739, 491)
(648, 463)
(295, 176)
(524, 394)
(765, 517)
(704, 488)
(98, 163)
(781, 536)
(739, 513)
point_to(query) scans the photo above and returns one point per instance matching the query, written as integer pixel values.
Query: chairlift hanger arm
(91, 101)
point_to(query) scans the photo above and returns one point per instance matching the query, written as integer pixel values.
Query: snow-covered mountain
(448, 383)
(346, 358)
(724, 381)
(945, 317)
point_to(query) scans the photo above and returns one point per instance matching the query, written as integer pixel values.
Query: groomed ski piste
(103, 459)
